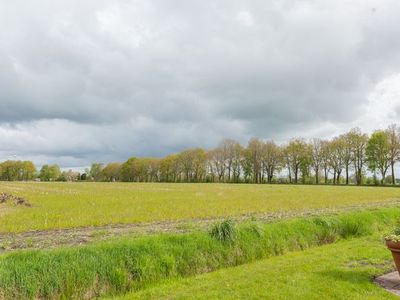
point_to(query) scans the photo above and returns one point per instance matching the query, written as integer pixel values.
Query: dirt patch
(9, 198)
(80, 236)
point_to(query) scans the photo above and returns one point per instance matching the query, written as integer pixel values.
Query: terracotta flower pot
(395, 248)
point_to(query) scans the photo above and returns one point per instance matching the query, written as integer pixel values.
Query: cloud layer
(104, 80)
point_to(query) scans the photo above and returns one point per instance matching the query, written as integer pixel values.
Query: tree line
(350, 158)
(17, 170)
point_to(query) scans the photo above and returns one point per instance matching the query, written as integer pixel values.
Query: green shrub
(224, 231)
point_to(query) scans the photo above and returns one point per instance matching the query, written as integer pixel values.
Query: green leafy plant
(224, 231)
(394, 235)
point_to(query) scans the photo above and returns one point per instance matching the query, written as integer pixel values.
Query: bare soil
(16, 200)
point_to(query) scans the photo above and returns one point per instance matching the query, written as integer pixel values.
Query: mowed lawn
(65, 205)
(344, 270)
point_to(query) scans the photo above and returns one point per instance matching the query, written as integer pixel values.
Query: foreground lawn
(66, 205)
(344, 270)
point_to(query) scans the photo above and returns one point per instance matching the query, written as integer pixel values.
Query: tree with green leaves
(49, 173)
(297, 154)
(128, 170)
(169, 168)
(378, 153)
(95, 171)
(13, 170)
(112, 171)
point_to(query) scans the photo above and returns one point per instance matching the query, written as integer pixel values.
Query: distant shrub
(224, 231)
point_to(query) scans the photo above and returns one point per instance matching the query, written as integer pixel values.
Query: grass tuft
(224, 231)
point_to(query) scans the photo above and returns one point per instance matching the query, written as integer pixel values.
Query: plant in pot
(393, 244)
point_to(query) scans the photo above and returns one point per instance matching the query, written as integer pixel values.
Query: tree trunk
(393, 177)
(383, 177)
(358, 177)
(347, 174)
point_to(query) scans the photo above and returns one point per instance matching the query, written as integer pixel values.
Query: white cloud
(245, 18)
(103, 80)
(383, 106)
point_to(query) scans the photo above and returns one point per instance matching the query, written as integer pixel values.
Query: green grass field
(344, 270)
(259, 263)
(121, 265)
(68, 205)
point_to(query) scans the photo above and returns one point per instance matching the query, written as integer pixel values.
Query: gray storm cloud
(104, 80)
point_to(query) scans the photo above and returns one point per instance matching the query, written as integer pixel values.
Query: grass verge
(343, 270)
(131, 264)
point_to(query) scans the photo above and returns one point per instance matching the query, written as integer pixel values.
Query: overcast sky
(84, 81)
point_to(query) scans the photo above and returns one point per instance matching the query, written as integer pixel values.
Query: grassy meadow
(68, 205)
(331, 256)
(138, 264)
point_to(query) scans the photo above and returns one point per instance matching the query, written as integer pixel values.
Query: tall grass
(224, 231)
(131, 264)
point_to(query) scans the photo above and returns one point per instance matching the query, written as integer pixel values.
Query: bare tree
(326, 159)
(337, 158)
(271, 159)
(230, 149)
(358, 142)
(305, 162)
(235, 157)
(316, 157)
(253, 155)
(193, 164)
(218, 162)
(347, 154)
